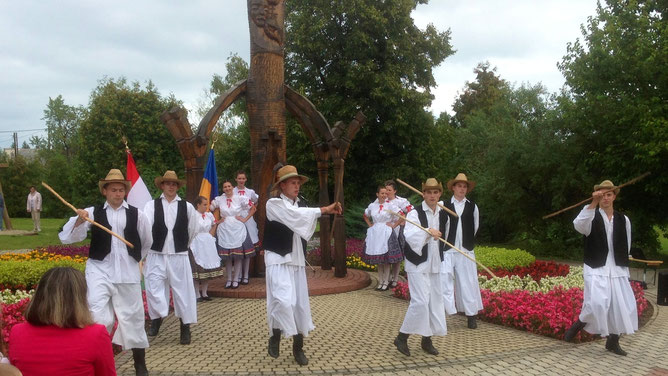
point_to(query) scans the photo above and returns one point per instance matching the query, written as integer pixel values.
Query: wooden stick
(443, 241)
(87, 219)
(420, 193)
(591, 198)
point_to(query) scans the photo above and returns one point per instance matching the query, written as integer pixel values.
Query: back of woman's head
(60, 300)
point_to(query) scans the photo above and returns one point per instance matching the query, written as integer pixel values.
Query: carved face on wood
(267, 16)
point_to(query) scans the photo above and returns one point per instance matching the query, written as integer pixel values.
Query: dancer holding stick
(112, 269)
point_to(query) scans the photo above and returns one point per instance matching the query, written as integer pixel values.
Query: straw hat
(115, 176)
(607, 184)
(461, 177)
(287, 172)
(169, 176)
(432, 183)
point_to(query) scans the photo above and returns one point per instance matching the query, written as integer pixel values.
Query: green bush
(26, 274)
(494, 257)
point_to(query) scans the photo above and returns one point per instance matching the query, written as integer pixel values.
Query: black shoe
(199, 300)
(383, 287)
(573, 330)
(185, 333)
(155, 327)
(207, 298)
(298, 349)
(228, 284)
(402, 344)
(428, 346)
(244, 281)
(139, 357)
(393, 284)
(612, 344)
(235, 285)
(471, 322)
(274, 343)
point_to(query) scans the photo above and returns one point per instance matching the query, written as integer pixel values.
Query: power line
(25, 130)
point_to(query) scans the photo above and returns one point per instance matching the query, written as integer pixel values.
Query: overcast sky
(51, 48)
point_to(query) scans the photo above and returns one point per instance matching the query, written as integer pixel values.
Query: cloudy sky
(50, 48)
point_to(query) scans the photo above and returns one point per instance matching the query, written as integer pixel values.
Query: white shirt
(118, 266)
(34, 201)
(401, 203)
(301, 221)
(246, 193)
(582, 224)
(416, 238)
(459, 209)
(171, 210)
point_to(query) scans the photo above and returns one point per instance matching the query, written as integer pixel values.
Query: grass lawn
(48, 235)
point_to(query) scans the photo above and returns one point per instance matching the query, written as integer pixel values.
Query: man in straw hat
(167, 266)
(112, 268)
(459, 275)
(609, 306)
(290, 224)
(424, 254)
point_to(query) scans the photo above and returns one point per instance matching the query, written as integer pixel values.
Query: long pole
(87, 219)
(591, 198)
(443, 241)
(420, 193)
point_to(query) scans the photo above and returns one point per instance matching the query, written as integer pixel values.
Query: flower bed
(22, 275)
(502, 258)
(546, 305)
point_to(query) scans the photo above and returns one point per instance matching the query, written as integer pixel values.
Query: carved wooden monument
(267, 99)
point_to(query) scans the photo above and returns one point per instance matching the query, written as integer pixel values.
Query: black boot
(139, 356)
(402, 343)
(274, 343)
(612, 344)
(185, 333)
(471, 323)
(155, 327)
(298, 349)
(573, 330)
(427, 346)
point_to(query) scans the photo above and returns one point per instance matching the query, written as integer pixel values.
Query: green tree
(62, 126)
(368, 55)
(118, 109)
(616, 107)
(479, 95)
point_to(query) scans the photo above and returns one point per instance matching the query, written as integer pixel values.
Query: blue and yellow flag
(209, 186)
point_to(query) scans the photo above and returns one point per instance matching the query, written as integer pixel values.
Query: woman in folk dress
(204, 258)
(381, 247)
(234, 243)
(251, 226)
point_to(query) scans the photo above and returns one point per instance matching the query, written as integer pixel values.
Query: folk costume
(459, 275)
(204, 258)
(290, 224)
(424, 255)
(609, 306)
(167, 264)
(381, 246)
(251, 227)
(234, 241)
(405, 206)
(112, 270)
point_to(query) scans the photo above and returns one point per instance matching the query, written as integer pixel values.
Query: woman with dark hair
(234, 242)
(60, 336)
(204, 258)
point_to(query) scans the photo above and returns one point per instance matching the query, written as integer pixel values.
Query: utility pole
(16, 145)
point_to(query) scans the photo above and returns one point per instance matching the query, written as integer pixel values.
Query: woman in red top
(60, 336)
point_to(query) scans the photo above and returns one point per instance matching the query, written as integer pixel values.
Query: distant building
(28, 154)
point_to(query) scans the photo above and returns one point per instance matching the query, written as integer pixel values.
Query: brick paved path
(354, 334)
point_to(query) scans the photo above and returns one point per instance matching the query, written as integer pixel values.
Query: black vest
(596, 244)
(100, 240)
(180, 230)
(468, 225)
(410, 254)
(278, 237)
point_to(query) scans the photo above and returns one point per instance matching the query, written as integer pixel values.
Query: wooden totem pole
(267, 101)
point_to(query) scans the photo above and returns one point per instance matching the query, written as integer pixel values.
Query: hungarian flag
(139, 194)
(209, 187)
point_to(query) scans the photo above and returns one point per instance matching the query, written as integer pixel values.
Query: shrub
(24, 275)
(494, 258)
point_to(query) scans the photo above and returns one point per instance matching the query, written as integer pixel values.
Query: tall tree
(617, 105)
(368, 55)
(62, 125)
(118, 109)
(479, 95)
